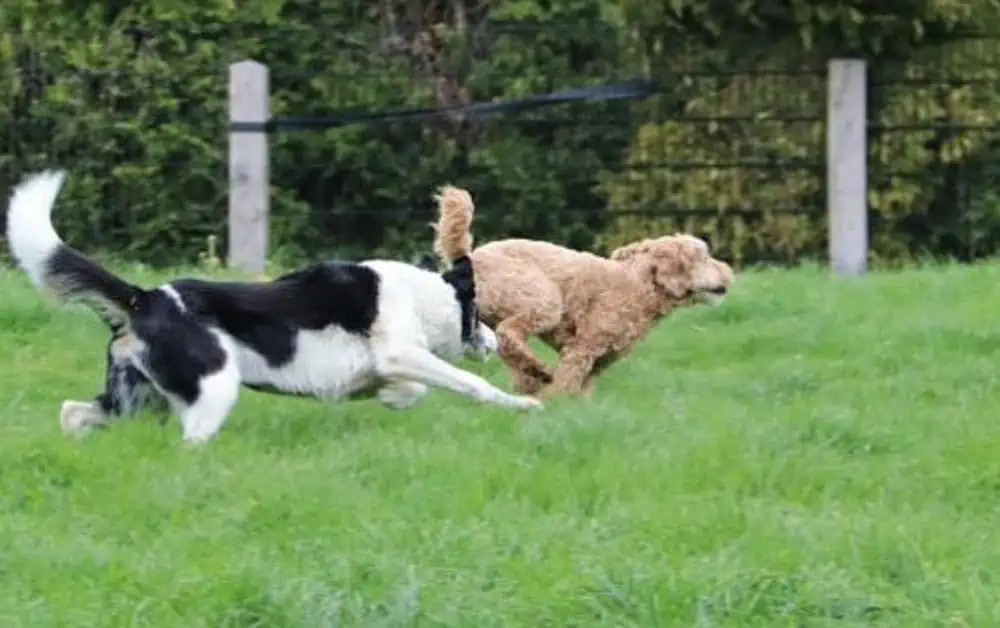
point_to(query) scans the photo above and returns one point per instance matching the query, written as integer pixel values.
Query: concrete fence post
(847, 166)
(249, 168)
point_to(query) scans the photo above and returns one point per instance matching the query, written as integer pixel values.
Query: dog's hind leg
(528, 371)
(419, 365)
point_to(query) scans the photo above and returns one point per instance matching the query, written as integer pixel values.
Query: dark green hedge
(132, 98)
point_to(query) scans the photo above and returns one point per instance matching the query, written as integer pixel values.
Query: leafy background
(132, 97)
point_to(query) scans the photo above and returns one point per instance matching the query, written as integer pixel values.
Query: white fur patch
(30, 235)
(175, 296)
(330, 363)
(79, 417)
(218, 393)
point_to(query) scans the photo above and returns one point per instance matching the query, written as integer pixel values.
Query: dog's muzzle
(713, 296)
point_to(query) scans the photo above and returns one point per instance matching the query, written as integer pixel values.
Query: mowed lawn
(815, 452)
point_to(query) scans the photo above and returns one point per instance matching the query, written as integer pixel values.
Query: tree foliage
(932, 109)
(132, 98)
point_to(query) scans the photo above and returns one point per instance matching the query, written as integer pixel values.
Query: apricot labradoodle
(592, 310)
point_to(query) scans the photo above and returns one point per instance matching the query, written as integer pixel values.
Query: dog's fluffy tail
(50, 263)
(453, 236)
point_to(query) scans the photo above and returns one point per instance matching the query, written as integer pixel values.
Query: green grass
(816, 452)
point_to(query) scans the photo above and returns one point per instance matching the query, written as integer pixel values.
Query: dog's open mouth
(717, 290)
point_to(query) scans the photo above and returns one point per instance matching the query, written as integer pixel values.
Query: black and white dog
(330, 330)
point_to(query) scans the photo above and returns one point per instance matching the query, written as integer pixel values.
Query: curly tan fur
(452, 235)
(592, 310)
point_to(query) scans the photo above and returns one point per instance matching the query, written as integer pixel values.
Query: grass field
(813, 453)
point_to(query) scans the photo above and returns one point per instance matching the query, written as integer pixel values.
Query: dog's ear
(667, 261)
(673, 264)
(679, 259)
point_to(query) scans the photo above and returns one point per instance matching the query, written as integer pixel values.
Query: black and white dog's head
(478, 339)
(126, 390)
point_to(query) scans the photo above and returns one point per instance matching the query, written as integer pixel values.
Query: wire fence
(732, 151)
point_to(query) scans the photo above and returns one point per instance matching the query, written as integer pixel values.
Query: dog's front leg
(80, 417)
(526, 384)
(599, 367)
(219, 391)
(420, 365)
(399, 394)
(216, 391)
(575, 364)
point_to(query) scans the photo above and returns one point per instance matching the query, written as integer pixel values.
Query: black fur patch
(264, 316)
(427, 262)
(267, 316)
(179, 350)
(76, 275)
(463, 280)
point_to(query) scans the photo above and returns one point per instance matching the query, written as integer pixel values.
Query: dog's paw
(399, 395)
(528, 403)
(79, 417)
